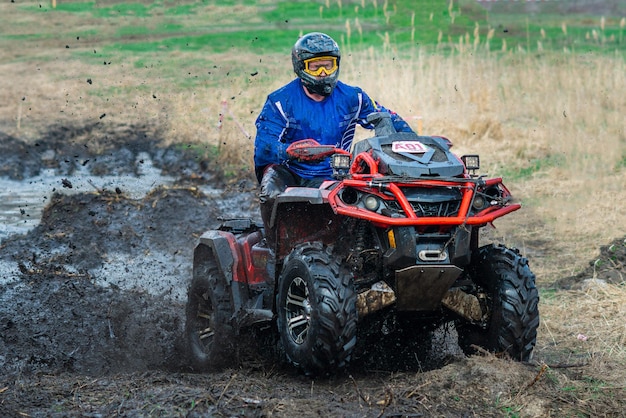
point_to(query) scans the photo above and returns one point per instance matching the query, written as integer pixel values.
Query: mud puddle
(22, 201)
(109, 167)
(142, 243)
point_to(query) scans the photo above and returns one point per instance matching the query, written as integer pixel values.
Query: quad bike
(395, 234)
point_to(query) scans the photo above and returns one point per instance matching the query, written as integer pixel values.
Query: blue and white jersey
(289, 115)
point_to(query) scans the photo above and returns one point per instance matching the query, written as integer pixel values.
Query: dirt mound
(81, 230)
(609, 267)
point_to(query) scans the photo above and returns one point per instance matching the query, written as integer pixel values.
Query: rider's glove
(309, 150)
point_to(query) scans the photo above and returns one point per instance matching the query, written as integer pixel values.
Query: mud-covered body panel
(437, 160)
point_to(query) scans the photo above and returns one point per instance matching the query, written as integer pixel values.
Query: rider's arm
(270, 146)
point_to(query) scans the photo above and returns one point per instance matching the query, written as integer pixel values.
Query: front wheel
(511, 300)
(317, 317)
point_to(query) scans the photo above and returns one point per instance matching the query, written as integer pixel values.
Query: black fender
(294, 195)
(222, 246)
(301, 214)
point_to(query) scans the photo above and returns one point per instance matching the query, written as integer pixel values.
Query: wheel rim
(298, 310)
(203, 330)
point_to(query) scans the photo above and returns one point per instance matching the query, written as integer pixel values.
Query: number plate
(413, 147)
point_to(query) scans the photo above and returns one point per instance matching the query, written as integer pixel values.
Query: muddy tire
(317, 317)
(511, 303)
(208, 332)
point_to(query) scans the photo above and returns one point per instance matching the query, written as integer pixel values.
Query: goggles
(315, 66)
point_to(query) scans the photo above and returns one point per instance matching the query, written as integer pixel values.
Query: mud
(608, 267)
(103, 149)
(92, 305)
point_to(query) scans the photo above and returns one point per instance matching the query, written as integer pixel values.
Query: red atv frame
(395, 235)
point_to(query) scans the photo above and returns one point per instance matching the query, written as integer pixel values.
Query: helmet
(321, 47)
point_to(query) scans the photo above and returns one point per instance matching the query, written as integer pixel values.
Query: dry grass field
(552, 124)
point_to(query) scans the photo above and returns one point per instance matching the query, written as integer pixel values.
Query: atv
(395, 234)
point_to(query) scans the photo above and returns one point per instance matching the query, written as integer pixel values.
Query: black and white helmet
(315, 58)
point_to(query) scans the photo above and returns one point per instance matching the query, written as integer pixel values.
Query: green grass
(215, 27)
(548, 294)
(533, 167)
(621, 164)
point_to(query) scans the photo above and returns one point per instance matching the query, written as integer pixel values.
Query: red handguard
(309, 150)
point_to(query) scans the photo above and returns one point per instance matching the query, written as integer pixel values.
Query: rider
(316, 106)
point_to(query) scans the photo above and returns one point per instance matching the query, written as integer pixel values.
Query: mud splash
(99, 284)
(96, 283)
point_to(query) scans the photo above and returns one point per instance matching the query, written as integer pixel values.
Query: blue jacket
(289, 115)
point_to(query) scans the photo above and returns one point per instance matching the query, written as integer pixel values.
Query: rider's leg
(275, 180)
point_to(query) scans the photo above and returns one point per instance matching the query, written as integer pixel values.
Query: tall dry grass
(562, 114)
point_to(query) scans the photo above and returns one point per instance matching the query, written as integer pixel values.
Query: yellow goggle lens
(318, 65)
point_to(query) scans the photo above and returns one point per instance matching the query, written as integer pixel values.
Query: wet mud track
(98, 286)
(92, 305)
(69, 310)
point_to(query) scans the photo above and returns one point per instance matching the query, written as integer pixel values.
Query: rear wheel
(511, 304)
(208, 332)
(317, 317)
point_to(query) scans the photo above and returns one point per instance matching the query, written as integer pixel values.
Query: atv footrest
(248, 317)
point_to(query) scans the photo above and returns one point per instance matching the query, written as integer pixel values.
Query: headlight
(371, 202)
(340, 161)
(349, 196)
(479, 202)
(472, 162)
